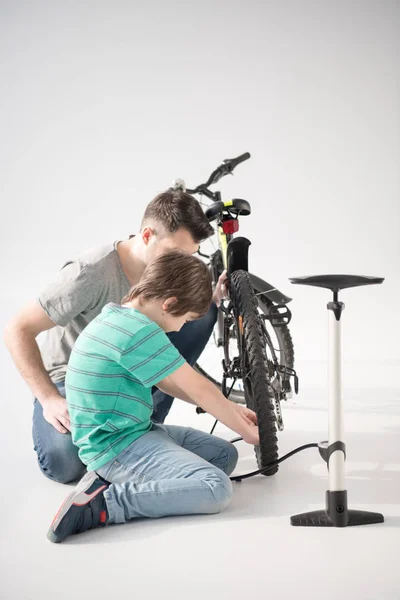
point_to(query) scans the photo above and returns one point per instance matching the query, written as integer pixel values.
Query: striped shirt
(114, 363)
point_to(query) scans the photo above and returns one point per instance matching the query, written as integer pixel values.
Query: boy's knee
(233, 457)
(222, 491)
(210, 318)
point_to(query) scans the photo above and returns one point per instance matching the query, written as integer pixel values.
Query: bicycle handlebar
(236, 161)
(225, 169)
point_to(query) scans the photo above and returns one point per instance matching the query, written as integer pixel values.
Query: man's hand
(56, 413)
(220, 288)
(250, 431)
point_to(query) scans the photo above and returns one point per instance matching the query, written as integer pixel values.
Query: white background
(103, 104)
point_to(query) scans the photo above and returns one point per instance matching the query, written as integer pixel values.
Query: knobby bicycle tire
(285, 350)
(259, 394)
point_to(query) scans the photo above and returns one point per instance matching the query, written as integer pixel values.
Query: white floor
(248, 551)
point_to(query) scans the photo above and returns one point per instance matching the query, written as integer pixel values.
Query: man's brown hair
(176, 274)
(174, 209)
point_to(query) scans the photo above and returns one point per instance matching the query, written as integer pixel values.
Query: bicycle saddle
(237, 206)
(336, 282)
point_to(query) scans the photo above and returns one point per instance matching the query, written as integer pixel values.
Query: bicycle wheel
(209, 363)
(259, 394)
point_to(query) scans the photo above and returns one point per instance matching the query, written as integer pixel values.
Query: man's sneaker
(84, 509)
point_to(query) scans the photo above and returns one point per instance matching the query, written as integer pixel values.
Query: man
(75, 297)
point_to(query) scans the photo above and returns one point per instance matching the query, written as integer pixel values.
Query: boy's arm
(155, 361)
(205, 394)
(172, 389)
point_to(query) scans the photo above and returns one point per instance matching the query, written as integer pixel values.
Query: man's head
(174, 288)
(173, 220)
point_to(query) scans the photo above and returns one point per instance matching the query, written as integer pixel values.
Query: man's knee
(61, 464)
(193, 337)
(208, 321)
(162, 404)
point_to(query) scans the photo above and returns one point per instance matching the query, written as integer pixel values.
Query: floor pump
(336, 513)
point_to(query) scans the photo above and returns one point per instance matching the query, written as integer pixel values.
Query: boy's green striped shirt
(114, 363)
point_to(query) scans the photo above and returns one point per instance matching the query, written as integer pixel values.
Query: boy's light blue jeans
(170, 470)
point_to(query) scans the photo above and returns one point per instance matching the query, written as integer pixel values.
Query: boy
(158, 470)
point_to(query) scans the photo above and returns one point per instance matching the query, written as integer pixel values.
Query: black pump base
(336, 514)
(320, 518)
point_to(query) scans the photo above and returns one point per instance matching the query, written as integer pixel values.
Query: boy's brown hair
(174, 209)
(176, 274)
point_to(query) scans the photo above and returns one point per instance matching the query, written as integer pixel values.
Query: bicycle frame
(223, 242)
(232, 255)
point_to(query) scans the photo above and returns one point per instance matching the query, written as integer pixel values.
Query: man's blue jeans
(58, 457)
(169, 470)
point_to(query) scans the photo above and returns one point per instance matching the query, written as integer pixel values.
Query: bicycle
(252, 315)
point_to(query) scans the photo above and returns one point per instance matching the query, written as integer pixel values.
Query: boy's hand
(220, 289)
(248, 414)
(56, 413)
(249, 432)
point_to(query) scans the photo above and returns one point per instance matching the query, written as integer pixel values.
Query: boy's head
(173, 220)
(174, 288)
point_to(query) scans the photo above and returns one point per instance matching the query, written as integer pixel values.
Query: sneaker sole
(78, 497)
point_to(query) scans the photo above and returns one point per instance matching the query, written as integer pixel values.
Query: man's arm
(66, 296)
(20, 338)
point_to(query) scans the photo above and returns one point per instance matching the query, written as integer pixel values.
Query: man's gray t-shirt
(75, 297)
